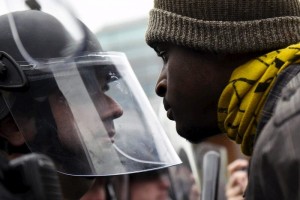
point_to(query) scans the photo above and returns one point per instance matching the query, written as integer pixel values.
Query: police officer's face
(67, 131)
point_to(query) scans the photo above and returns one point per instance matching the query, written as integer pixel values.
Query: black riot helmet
(43, 36)
(81, 106)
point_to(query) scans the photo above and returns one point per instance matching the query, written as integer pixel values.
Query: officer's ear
(10, 132)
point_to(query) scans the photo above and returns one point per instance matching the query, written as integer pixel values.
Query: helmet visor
(91, 116)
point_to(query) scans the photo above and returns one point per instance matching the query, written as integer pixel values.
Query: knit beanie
(225, 26)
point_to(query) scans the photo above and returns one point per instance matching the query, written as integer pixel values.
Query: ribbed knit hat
(225, 26)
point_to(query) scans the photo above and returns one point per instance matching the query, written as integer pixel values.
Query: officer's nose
(114, 109)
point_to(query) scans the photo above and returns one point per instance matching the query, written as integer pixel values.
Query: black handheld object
(210, 175)
(33, 4)
(32, 176)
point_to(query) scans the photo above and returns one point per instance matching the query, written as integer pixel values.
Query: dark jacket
(275, 163)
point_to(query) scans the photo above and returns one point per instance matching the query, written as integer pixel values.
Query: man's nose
(161, 85)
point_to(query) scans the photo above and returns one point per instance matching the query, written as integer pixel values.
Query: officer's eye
(105, 88)
(112, 76)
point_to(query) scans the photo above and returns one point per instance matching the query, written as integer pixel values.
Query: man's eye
(162, 51)
(163, 55)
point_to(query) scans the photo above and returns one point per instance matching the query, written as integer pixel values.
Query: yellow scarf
(243, 98)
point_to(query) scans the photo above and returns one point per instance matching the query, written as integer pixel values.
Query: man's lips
(170, 114)
(168, 109)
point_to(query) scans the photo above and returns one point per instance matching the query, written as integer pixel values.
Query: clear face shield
(87, 111)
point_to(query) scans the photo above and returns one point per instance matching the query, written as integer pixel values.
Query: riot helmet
(82, 107)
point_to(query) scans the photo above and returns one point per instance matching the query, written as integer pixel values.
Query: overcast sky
(94, 13)
(99, 13)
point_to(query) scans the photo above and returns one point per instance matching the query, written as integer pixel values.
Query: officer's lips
(108, 138)
(111, 135)
(111, 132)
